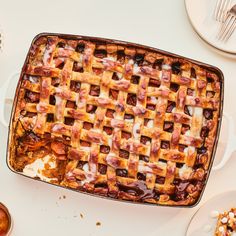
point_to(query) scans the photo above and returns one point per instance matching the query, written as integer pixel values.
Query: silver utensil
(228, 26)
(221, 10)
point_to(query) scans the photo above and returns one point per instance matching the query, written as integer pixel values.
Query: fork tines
(221, 9)
(227, 27)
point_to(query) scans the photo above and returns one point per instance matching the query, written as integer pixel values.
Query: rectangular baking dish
(208, 68)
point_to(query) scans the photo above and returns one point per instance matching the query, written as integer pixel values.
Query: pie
(116, 119)
(226, 223)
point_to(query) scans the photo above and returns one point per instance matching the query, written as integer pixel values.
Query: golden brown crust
(120, 121)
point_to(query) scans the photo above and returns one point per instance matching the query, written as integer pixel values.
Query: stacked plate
(200, 14)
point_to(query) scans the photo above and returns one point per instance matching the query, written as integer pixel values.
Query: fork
(229, 25)
(221, 9)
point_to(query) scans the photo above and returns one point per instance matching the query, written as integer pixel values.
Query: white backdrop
(40, 209)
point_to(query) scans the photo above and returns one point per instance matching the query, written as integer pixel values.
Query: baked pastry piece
(117, 120)
(226, 223)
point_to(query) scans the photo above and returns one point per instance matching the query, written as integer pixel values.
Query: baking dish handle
(4, 98)
(231, 142)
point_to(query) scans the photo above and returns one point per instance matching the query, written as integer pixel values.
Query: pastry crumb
(98, 223)
(62, 197)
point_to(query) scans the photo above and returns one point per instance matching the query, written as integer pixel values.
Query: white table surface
(40, 209)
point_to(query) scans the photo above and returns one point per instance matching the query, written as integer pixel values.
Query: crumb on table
(62, 197)
(98, 223)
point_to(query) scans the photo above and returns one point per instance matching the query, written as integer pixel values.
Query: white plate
(200, 13)
(202, 223)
